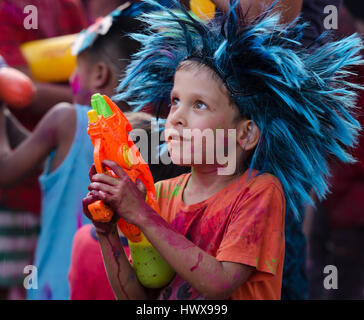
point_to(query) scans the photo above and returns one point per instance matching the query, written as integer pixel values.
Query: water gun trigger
(98, 161)
(97, 158)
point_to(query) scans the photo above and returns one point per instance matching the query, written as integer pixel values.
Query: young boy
(61, 136)
(224, 234)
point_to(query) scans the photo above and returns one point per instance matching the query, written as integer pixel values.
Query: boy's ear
(248, 134)
(101, 76)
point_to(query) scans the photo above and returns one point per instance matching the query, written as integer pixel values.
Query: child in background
(61, 136)
(224, 234)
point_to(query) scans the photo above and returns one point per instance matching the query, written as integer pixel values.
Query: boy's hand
(101, 227)
(125, 198)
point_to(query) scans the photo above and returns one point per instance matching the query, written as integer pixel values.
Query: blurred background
(333, 232)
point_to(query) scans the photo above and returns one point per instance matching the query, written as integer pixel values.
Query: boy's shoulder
(264, 180)
(257, 184)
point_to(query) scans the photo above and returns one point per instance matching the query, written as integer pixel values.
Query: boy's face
(81, 80)
(201, 103)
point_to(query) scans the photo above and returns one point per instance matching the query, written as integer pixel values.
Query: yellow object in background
(50, 60)
(204, 9)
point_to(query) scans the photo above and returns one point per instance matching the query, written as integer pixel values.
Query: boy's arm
(27, 157)
(120, 273)
(212, 278)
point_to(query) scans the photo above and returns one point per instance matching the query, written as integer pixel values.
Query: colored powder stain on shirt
(272, 267)
(255, 232)
(79, 220)
(47, 292)
(178, 223)
(158, 191)
(241, 223)
(176, 191)
(168, 194)
(199, 259)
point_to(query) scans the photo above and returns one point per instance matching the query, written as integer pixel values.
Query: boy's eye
(200, 106)
(174, 102)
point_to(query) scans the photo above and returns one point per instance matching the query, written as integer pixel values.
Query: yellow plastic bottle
(50, 60)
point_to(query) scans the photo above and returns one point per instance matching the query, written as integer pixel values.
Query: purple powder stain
(47, 292)
(237, 276)
(75, 84)
(117, 254)
(178, 223)
(79, 220)
(199, 259)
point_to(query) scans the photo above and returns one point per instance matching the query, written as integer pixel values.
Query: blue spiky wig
(298, 97)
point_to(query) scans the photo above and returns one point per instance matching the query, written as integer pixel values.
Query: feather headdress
(298, 98)
(87, 37)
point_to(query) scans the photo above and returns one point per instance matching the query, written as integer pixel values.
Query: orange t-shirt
(242, 223)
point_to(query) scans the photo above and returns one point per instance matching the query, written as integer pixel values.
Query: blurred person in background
(335, 229)
(19, 224)
(55, 18)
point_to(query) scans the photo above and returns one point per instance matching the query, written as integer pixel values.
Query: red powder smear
(178, 223)
(75, 85)
(179, 242)
(116, 255)
(199, 259)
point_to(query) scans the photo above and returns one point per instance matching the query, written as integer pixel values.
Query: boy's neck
(204, 183)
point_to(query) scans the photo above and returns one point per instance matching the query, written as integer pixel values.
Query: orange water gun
(109, 132)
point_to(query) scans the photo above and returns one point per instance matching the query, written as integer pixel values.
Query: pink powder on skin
(75, 85)
(79, 95)
(199, 259)
(116, 253)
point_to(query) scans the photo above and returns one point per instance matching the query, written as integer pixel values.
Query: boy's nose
(178, 117)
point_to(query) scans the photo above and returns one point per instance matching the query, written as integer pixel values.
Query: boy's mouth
(175, 137)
